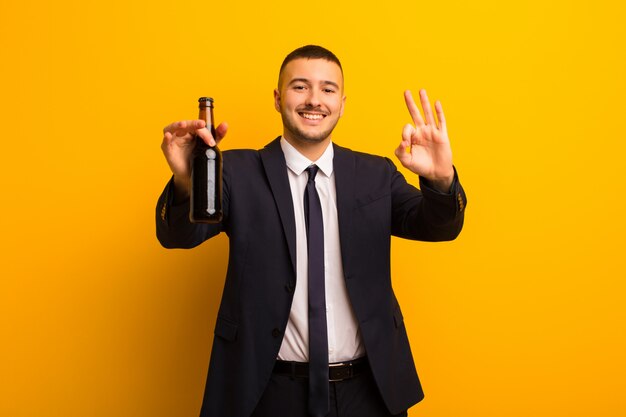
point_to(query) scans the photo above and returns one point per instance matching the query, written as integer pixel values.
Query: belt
(336, 371)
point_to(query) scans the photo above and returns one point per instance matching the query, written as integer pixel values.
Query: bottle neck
(206, 114)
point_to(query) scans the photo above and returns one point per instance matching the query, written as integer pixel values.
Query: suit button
(276, 332)
(289, 287)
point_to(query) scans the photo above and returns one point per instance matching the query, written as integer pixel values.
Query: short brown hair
(310, 52)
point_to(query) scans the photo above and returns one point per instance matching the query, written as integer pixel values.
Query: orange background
(522, 315)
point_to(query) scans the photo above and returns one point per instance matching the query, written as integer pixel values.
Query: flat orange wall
(522, 315)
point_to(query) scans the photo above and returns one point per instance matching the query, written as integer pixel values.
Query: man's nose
(313, 98)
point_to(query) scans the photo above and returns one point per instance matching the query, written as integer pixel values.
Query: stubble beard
(301, 136)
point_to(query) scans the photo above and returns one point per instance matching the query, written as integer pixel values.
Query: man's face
(310, 99)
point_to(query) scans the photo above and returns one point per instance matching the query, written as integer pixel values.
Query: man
(304, 242)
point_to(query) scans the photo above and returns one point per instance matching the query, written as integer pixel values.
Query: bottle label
(210, 154)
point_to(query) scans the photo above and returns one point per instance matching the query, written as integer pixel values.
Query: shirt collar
(297, 162)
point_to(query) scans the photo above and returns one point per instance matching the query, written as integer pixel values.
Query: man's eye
(299, 87)
(329, 90)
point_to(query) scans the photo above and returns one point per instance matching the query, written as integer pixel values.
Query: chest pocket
(226, 329)
(370, 198)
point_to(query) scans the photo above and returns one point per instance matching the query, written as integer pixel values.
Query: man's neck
(312, 151)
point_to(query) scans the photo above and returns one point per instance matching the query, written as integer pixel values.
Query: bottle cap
(204, 99)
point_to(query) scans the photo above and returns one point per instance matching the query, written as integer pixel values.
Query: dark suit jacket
(374, 202)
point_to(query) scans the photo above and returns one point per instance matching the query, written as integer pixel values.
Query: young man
(309, 324)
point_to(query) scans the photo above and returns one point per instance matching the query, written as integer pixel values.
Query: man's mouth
(312, 116)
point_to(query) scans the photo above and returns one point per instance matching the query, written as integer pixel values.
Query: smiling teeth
(312, 116)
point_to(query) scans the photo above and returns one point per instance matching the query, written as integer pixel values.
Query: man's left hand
(425, 148)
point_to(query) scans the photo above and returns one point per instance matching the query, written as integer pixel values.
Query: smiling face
(310, 100)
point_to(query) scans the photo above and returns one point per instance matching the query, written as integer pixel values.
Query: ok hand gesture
(425, 148)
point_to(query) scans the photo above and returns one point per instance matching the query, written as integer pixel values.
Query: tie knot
(312, 171)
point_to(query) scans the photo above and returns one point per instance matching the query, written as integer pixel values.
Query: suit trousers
(286, 396)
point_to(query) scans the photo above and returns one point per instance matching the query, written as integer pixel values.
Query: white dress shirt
(344, 337)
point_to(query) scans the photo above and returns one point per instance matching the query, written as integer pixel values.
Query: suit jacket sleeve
(426, 214)
(173, 228)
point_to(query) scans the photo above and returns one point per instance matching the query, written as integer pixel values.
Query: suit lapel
(276, 170)
(344, 166)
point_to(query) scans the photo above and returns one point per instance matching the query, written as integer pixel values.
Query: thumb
(402, 152)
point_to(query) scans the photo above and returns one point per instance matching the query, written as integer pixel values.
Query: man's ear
(343, 104)
(277, 100)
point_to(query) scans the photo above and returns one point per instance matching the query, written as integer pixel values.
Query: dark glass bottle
(206, 173)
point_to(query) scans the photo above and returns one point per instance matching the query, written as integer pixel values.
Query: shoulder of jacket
(365, 163)
(364, 156)
(241, 154)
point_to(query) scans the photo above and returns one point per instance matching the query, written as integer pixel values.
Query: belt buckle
(343, 374)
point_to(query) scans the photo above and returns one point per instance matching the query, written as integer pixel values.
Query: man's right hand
(177, 146)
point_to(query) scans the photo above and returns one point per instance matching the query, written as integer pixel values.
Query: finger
(182, 136)
(170, 138)
(402, 152)
(414, 136)
(407, 133)
(173, 127)
(170, 141)
(184, 126)
(220, 131)
(428, 113)
(413, 109)
(208, 137)
(167, 139)
(205, 135)
(440, 116)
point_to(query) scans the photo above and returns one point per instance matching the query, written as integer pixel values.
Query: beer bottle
(206, 173)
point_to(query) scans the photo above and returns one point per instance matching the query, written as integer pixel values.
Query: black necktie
(318, 337)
